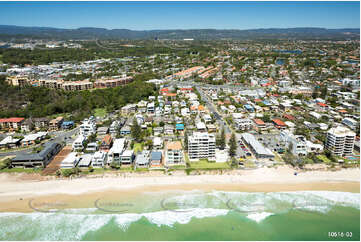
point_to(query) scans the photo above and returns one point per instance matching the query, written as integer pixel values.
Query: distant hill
(201, 34)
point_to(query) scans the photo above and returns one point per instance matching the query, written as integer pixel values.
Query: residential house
(157, 143)
(279, 124)
(127, 157)
(41, 123)
(125, 130)
(142, 159)
(27, 125)
(158, 131)
(106, 143)
(99, 159)
(55, 124)
(70, 161)
(114, 154)
(85, 161)
(67, 125)
(92, 147)
(156, 159)
(168, 129)
(174, 153)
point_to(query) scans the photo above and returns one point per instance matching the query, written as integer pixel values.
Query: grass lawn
(137, 147)
(175, 167)
(24, 170)
(100, 112)
(204, 164)
(324, 159)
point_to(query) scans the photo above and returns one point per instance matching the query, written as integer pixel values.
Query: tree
(232, 145)
(222, 139)
(136, 131)
(186, 141)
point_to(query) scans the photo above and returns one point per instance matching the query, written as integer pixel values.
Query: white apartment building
(243, 124)
(201, 145)
(298, 143)
(87, 128)
(114, 127)
(340, 141)
(78, 143)
(150, 107)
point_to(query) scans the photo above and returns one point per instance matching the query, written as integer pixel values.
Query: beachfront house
(70, 161)
(142, 159)
(85, 161)
(174, 153)
(156, 159)
(99, 159)
(127, 158)
(114, 154)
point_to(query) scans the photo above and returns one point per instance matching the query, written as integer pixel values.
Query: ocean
(194, 215)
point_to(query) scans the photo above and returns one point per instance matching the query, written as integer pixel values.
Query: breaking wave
(73, 224)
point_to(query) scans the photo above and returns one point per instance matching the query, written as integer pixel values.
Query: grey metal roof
(156, 155)
(48, 147)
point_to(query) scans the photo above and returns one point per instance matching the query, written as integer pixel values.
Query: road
(219, 117)
(58, 137)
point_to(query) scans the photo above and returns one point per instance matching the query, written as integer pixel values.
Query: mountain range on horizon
(11, 31)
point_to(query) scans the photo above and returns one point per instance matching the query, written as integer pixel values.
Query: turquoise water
(196, 215)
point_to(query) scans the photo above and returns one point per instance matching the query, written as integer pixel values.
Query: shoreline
(16, 192)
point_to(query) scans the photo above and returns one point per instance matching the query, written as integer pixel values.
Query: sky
(181, 15)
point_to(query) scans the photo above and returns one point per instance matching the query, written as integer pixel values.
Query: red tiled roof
(288, 116)
(258, 121)
(171, 94)
(107, 139)
(322, 104)
(278, 122)
(186, 89)
(11, 120)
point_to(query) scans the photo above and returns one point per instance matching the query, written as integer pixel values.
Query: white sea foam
(75, 223)
(258, 217)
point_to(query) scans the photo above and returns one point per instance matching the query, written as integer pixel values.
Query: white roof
(69, 161)
(85, 160)
(128, 153)
(8, 140)
(341, 131)
(31, 137)
(99, 155)
(157, 141)
(257, 146)
(201, 125)
(79, 139)
(118, 146)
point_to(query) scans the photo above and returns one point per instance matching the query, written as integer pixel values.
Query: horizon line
(66, 28)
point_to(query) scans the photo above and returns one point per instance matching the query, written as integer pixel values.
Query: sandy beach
(16, 190)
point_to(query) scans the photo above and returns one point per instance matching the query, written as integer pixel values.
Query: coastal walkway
(54, 165)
